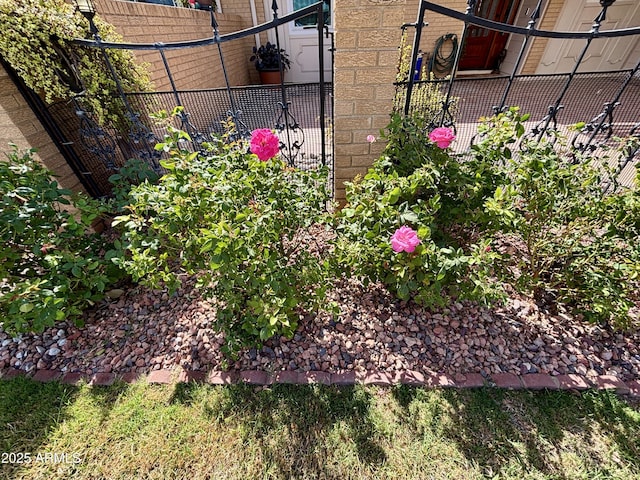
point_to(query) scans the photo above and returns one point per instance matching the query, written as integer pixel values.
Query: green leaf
(168, 164)
(409, 217)
(26, 307)
(265, 334)
(394, 195)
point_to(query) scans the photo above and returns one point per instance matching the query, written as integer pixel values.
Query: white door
(300, 39)
(560, 56)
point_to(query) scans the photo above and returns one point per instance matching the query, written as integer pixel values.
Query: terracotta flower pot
(270, 77)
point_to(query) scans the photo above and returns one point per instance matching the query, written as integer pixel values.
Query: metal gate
(301, 114)
(606, 104)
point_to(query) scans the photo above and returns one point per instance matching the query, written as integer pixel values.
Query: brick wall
(137, 23)
(242, 9)
(367, 39)
(192, 68)
(19, 125)
(538, 46)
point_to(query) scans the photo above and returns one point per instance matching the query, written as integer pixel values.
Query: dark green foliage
(570, 243)
(578, 245)
(52, 265)
(414, 183)
(132, 173)
(268, 57)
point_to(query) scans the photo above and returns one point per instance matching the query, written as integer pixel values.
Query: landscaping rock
(372, 332)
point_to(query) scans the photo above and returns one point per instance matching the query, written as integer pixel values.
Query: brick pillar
(367, 39)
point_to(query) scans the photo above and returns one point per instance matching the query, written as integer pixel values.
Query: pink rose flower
(264, 143)
(371, 138)
(404, 239)
(442, 136)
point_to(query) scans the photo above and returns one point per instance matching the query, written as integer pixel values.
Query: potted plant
(268, 60)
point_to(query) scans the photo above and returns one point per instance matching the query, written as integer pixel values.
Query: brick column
(367, 40)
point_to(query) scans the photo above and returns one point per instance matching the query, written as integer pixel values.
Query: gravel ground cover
(145, 330)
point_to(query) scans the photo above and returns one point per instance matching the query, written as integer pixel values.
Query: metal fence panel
(608, 103)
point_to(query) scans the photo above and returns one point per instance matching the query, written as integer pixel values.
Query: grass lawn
(193, 431)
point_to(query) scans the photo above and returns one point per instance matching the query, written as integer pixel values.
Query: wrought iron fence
(300, 113)
(257, 106)
(607, 103)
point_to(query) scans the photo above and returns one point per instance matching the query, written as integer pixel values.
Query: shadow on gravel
(293, 426)
(503, 431)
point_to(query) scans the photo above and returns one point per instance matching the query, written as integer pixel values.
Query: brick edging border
(509, 381)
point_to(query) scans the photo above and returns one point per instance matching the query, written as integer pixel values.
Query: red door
(483, 47)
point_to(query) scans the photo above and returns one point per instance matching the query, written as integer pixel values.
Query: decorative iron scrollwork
(287, 126)
(143, 141)
(600, 126)
(95, 139)
(447, 119)
(546, 126)
(241, 128)
(631, 148)
(197, 137)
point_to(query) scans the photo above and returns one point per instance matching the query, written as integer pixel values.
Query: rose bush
(428, 223)
(399, 222)
(239, 224)
(52, 264)
(576, 244)
(405, 239)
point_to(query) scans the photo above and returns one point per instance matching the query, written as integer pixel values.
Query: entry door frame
(483, 46)
(298, 43)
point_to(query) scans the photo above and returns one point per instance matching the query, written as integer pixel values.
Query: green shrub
(52, 265)
(132, 173)
(570, 242)
(578, 245)
(239, 224)
(419, 185)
